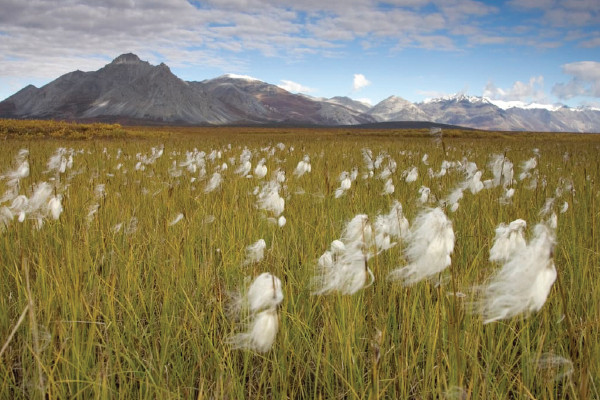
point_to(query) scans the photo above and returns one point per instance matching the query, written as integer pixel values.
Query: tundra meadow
(298, 263)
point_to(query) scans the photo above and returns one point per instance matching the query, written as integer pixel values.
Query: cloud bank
(531, 91)
(44, 37)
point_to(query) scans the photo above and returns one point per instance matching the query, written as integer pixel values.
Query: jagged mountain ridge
(484, 113)
(129, 89)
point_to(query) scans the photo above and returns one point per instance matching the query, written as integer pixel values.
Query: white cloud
(365, 100)
(294, 87)
(532, 91)
(585, 80)
(360, 82)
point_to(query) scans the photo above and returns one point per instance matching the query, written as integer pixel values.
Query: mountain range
(130, 90)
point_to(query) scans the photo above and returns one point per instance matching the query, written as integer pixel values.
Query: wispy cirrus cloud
(590, 43)
(570, 21)
(216, 33)
(562, 13)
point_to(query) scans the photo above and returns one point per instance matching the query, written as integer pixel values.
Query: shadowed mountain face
(131, 90)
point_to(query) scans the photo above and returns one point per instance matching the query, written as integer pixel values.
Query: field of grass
(113, 300)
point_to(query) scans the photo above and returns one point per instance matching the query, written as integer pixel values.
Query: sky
(533, 51)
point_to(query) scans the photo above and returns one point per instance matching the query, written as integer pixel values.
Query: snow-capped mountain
(505, 105)
(484, 113)
(467, 111)
(131, 90)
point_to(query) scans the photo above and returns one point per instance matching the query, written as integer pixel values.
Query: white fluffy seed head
(346, 273)
(175, 220)
(502, 169)
(6, 216)
(508, 240)
(344, 268)
(55, 207)
(19, 203)
(213, 183)
(264, 292)
(412, 175)
(261, 333)
(346, 184)
(388, 187)
(424, 192)
(39, 198)
(326, 260)
(455, 196)
(57, 161)
(526, 167)
(430, 244)
(523, 283)
(281, 221)
(269, 198)
(260, 171)
(255, 252)
(244, 169)
(474, 183)
(337, 247)
(358, 232)
(303, 167)
(390, 226)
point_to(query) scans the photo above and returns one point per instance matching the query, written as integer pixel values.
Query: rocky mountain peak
(393, 101)
(128, 58)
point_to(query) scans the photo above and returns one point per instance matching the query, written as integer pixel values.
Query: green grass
(142, 314)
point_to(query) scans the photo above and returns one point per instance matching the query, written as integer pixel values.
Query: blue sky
(542, 51)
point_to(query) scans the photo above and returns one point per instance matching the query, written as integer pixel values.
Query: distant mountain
(397, 109)
(483, 113)
(354, 105)
(468, 111)
(131, 90)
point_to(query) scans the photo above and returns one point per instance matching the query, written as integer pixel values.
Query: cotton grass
(344, 268)
(430, 244)
(526, 277)
(262, 323)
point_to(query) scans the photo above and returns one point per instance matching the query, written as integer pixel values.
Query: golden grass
(141, 313)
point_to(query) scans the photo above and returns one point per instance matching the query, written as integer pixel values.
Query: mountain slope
(131, 90)
(397, 109)
(126, 88)
(482, 113)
